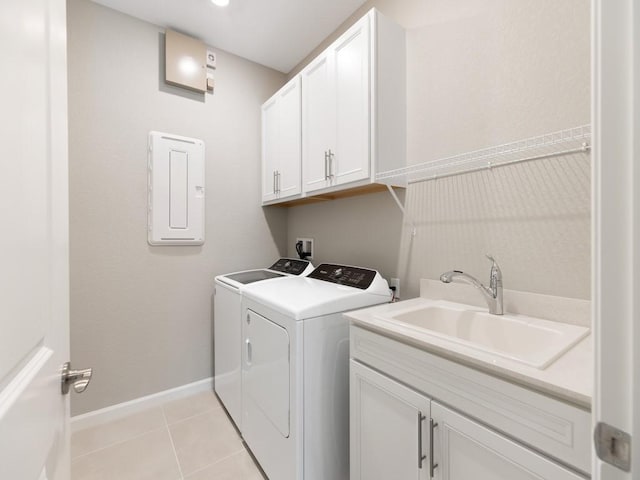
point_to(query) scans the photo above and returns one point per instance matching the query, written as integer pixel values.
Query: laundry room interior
(484, 111)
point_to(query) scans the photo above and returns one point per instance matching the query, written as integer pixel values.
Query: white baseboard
(114, 412)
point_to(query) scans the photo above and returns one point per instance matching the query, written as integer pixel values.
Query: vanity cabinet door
(464, 449)
(389, 428)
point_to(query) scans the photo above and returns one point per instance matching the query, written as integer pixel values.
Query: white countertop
(569, 378)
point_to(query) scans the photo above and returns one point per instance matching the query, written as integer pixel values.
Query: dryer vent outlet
(306, 247)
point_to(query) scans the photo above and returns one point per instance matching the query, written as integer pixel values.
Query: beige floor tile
(204, 439)
(146, 457)
(236, 467)
(190, 406)
(94, 438)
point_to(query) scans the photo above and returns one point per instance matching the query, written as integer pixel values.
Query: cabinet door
(389, 428)
(465, 449)
(270, 148)
(352, 79)
(289, 181)
(318, 110)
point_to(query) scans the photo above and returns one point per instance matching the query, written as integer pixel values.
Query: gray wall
(479, 74)
(141, 315)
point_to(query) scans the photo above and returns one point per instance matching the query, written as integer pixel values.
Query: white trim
(115, 412)
(615, 222)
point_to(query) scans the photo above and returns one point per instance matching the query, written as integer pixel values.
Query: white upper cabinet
(281, 143)
(342, 120)
(352, 65)
(353, 107)
(317, 118)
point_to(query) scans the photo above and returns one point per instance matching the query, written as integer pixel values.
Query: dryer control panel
(356, 277)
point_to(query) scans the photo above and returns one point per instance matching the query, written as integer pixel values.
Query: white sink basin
(527, 340)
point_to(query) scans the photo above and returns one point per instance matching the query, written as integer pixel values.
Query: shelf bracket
(406, 216)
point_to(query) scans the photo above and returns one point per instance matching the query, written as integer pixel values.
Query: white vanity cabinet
(353, 107)
(465, 449)
(427, 417)
(388, 428)
(281, 144)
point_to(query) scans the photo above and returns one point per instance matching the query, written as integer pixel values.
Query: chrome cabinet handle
(278, 180)
(78, 378)
(330, 162)
(326, 164)
(421, 457)
(432, 466)
(274, 181)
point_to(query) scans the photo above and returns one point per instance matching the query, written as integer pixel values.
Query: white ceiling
(275, 33)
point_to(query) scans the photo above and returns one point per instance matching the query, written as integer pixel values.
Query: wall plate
(307, 246)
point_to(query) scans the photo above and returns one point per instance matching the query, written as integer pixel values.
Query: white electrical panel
(176, 190)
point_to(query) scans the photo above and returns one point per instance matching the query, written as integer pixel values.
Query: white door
(351, 160)
(389, 428)
(616, 230)
(318, 126)
(268, 395)
(289, 180)
(265, 377)
(34, 291)
(270, 147)
(464, 449)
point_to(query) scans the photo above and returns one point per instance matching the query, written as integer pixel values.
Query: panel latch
(613, 446)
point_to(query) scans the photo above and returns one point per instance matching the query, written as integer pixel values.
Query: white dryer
(295, 369)
(227, 332)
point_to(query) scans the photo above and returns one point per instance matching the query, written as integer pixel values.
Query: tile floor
(186, 439)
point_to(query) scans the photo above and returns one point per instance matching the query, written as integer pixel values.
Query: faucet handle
(496, 273)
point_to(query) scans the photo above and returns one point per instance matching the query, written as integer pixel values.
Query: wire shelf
(564, 142)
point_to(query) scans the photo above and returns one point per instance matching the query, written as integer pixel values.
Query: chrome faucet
(493, 294)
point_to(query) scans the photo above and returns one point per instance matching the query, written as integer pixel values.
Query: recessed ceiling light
(220, 3)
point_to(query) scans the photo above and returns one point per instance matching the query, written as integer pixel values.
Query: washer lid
(284, 267)
(251, 276)
(303, 297)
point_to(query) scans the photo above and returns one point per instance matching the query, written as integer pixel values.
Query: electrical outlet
(307, 246)
(395, 282)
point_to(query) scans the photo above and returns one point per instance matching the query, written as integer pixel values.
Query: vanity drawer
(556, 428)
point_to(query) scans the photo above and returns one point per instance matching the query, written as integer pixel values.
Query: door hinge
(613, 446)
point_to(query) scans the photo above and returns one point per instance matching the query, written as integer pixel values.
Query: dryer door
(266, 372)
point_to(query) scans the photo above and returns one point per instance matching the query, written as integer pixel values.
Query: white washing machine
(295, 369)
(227, 332)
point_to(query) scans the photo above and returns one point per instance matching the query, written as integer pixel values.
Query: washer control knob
(337, 272)
(287, 265)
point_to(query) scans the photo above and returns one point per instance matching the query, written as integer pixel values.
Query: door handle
(326, 164)
(249, 351)
(278, 180)
(432, 465)
(330, 162)
(78, 378)
(274, 182)
(421, 457)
